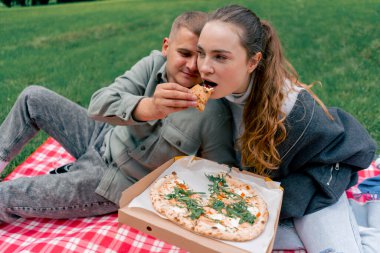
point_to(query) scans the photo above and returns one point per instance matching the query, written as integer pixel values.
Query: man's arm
(167, 98)
(114, 104)
(129, 99)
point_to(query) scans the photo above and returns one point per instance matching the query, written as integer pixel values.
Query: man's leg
(59, 196)
(39, 108)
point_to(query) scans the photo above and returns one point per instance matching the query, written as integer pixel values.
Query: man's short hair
(192, 20)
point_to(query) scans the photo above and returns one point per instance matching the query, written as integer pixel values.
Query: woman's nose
(204, 67)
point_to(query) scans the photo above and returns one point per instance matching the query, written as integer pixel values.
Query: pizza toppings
(232, 211)
(226, 201)
(185, 196)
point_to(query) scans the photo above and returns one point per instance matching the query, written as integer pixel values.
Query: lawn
(75, 49)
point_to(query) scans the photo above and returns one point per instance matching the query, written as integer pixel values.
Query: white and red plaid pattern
(91, 235)
(354, 192)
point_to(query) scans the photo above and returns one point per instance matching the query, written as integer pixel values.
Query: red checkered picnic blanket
(95, 234)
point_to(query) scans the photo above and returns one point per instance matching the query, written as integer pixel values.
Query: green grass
(75, 49)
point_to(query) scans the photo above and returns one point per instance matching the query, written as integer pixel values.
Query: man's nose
(192, 64)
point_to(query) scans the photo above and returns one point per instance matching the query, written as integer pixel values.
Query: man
(141, 120)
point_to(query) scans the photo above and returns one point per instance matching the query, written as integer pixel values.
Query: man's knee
(32, 91)
(33, 97)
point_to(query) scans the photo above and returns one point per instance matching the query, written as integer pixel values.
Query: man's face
(181, 53)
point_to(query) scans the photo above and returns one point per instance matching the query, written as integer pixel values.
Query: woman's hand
(167, 98)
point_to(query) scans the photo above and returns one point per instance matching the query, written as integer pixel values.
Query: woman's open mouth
(209, 84)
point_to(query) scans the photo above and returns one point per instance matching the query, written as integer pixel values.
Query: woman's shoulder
(300, 107)
(311, 131)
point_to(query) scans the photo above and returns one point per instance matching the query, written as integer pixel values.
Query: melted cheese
(253, 210)
(216, 216)
(178, 210)
(220, 226)
(232, 222)
(243, 193)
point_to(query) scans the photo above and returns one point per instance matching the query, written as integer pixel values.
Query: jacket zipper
(334, 167)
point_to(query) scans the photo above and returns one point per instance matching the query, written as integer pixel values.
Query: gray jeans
(56, 196)
(345, 227)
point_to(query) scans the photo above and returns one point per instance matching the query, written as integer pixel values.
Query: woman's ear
(254, 61)
(165, 46)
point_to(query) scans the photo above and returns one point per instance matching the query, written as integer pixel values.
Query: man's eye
(185, 54)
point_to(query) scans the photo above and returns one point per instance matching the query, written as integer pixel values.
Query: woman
(283, 130)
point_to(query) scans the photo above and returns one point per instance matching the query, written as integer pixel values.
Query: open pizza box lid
(142, 216)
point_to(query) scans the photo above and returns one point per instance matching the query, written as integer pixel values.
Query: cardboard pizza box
(152, 224)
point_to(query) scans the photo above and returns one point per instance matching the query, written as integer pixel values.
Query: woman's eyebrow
(215, 50)
(221, 51)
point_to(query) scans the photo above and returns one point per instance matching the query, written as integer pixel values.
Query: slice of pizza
(172, 198)
(203, 94)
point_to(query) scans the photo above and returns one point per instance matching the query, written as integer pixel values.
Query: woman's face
(222, 60)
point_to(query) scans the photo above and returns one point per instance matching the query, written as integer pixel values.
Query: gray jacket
(136, 148)
(320, 157)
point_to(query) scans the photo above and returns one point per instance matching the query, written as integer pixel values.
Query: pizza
(230, 210)
(203, 94)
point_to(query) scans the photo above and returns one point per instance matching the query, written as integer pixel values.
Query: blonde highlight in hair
(263, 119)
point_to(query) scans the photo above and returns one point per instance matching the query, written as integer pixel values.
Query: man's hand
(167, 98)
